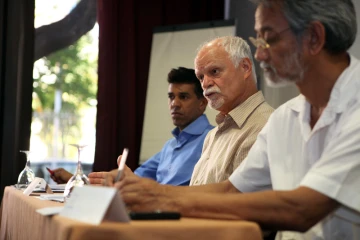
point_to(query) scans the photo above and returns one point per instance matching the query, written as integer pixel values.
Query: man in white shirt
(301, 176)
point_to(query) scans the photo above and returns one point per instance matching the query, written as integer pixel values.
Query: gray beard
(292, 61)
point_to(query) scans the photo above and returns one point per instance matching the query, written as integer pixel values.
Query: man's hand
(60, 175)
(109, 179)
(143, 194)
(98, 178)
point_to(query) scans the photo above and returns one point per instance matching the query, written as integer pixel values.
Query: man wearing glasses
(301, 176)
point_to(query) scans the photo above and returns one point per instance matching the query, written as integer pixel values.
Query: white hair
(237, 48)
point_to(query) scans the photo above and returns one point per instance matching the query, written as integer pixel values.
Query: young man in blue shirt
(175, 162)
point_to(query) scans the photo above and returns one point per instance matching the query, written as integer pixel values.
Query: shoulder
(208, 129)
(295, 104)
(169, 143)
(262, 112)
(211, 132)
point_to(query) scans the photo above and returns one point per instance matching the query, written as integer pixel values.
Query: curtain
(125, 33)
(16, 66)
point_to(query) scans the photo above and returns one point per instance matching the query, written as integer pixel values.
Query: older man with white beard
(226, 72)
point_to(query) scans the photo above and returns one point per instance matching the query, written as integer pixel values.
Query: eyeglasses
(261, 42)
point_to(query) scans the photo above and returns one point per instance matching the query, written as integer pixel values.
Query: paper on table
(49, 210)
(52, 197)
(90, 204)
(35, 183)
(57, 187)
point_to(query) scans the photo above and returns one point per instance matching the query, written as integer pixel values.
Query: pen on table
(50, 171)
(122, 164)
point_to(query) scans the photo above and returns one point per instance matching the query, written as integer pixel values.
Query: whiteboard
(172, 47)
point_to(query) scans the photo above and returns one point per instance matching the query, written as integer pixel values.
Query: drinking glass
(27, 175)
(79, 179)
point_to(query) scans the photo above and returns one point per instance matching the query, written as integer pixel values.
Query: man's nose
(207, 82)
(261, 54)
(175, 102)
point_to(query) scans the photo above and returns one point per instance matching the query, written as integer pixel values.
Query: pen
(50, 171)
(122, 164)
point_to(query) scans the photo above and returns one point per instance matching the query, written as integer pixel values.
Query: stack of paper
(52, 197)
(57, 187)
(48, 211)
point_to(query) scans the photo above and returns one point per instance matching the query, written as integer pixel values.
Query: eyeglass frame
(261, 42)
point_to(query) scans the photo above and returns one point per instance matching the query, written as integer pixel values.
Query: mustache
(264, 65)
(213, 89)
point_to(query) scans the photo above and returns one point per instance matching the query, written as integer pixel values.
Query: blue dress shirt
(175, 162)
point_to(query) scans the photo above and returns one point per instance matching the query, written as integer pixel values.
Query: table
(20, 221)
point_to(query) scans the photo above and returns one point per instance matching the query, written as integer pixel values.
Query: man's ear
(203, 103)
(315, 37)
(246, 65)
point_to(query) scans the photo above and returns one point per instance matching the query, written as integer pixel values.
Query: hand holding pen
(50, 171)
(108, 178)
(122, 164)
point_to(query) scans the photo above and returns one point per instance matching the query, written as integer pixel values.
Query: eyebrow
(184, 93)
(265, 29)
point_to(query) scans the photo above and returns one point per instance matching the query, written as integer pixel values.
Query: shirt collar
(344, 85)
(197, 127)
(240, 113)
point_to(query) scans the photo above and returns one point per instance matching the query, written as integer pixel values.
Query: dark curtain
(124, 53)
(16, 67)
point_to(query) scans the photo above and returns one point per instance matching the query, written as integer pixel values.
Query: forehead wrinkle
(211, 57)
(200, 55)
(202, 67)
(269, 18)
(198, 65)
(181, 88)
